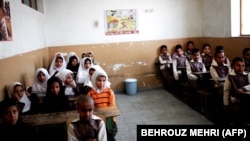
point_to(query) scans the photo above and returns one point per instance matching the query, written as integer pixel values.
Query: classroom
(81, 26)
(36, 38)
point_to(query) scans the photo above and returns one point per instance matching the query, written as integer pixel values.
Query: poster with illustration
(121, 22)
(5, 21)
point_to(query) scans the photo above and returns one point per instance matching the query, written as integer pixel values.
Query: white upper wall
(216, 18)
(69, 22)
(28, 29)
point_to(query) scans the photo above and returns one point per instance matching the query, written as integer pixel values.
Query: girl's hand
(16, 97)
(27, 93)
(73, 84)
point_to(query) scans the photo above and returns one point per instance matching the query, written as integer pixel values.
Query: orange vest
(104, 99)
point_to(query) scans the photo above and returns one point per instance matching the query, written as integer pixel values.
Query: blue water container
(131, 86)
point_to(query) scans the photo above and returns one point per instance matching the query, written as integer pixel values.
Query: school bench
(53, 126)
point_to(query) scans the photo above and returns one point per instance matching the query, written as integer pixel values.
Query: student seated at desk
(246, 57)
(197, 79)
(233, 85)
(104, 96)
(165, 66)
(83, 70)
(164, 58)
(69, 83)
(87, 126)
(55, 99)
(73, 63)
(12, 128)
(221, 49)
(207, 56)
(188, 52)
(88, 85)
(195, 65)
(27, 102)
(39, 85)
(175, 54)
(179, 64)
(219, 69)
(58, 63)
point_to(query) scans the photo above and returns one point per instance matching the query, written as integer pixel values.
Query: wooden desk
(48, 118)
(72, 98)
(245, 93)
(219, 79)
(107, 111)
(200, 73)
(40, 98)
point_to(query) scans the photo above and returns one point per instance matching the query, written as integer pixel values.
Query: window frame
(241, 20)
(31, 4)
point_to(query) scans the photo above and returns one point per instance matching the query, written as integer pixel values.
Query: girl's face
(239, 67)
(74, 62)
(55, 88)
(41, 77)
(206, 50)
(87, 64)
(220, 58)
(69, 79)
(247, 56)
(196, 56)
(100, 82)
(90, 55)
(58, 62)
(18, 91)
(164, 50)
(83, 55)
(10, 115)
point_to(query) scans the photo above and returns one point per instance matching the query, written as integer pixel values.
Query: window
(30, 3)
(244, 18)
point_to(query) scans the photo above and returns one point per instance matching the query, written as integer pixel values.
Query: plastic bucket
(131, 86)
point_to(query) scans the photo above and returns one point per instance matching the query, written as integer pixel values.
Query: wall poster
(5, 21)
(121, 22)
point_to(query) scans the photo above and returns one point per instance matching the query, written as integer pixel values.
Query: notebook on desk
(246, 88)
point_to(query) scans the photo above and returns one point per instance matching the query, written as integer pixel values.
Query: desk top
(220, 79)
(70, 97)
(168, 62)
(46, 118)
(245, 92)
(197, 73)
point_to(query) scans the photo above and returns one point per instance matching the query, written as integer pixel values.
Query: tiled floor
(153, 107)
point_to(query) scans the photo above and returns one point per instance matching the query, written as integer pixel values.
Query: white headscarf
(53, 68)
(95, 75)
(37, 86)
(95, 67)
(70, 54)
(83, 73)
(11, 88)
(24, 99)
(63, 74)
